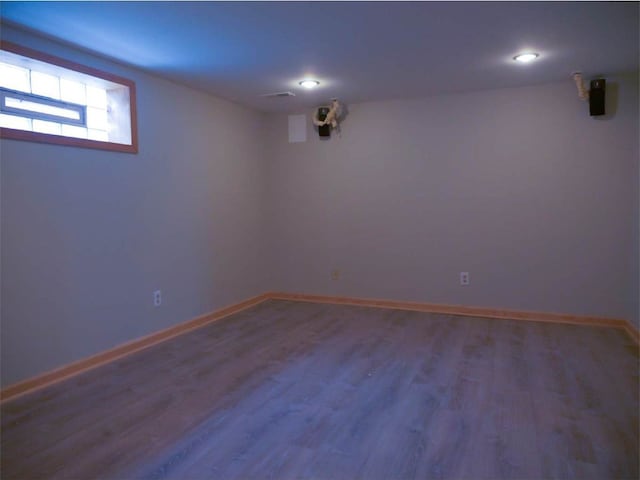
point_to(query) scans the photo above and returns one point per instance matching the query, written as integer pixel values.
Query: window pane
(17, 123)
(60, 100)
(97, 118)
(97, 97)
(72, 131)
(100, 135)
(28, 106)
(74, 92)
(45, 85)
(43, 126)
(15, 78)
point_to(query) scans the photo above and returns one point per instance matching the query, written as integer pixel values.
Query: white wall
(87, 235)
(520, 187)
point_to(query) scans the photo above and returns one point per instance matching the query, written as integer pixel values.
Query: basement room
(319, 240)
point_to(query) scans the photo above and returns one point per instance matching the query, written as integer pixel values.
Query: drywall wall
(519, 187)
(87, 235)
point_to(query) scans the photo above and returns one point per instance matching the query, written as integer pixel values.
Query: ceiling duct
(278, 95)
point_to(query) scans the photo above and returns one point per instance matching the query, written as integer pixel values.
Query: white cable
(332, 115)
(316, 121)
(583, 93)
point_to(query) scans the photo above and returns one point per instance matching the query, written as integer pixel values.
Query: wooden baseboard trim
(632, 331)
(462, 310)
(35, 383)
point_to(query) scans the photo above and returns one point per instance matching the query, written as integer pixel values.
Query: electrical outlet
(157, 298)
(464, 278)
(335, 274)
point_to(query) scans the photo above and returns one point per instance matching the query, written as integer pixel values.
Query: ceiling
(360, 51)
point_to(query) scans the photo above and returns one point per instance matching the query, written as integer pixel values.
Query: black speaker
(596, 97)
(324, 130)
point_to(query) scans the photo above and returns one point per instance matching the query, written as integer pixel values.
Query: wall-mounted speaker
(596, 97)
(323, 130)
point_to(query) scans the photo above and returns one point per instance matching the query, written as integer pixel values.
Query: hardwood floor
(299, 390)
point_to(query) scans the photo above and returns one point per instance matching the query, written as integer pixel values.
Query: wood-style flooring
(293, 390)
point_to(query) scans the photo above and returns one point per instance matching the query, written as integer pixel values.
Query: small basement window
(48, 99)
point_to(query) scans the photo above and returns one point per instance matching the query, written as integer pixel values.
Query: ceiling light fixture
(526, 57)
(309, 83)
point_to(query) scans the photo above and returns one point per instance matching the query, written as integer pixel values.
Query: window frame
(12, 134)
(81, 110)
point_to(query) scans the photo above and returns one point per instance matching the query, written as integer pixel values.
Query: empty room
(319, 240)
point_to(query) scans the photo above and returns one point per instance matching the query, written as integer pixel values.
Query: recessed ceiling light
(526, 57)
(309, 83)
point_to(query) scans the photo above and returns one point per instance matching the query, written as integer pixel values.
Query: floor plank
(301, 390)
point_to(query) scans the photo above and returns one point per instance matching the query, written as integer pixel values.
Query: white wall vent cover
(278, 95)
